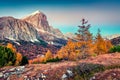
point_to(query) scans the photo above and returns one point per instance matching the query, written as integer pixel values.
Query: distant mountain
(116, 41)
(33, 27)
(70, 35)
(31, 35)
(112, 36)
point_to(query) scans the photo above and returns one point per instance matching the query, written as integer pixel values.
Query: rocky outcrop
(67, 75)
(15, 29)
(16, 73)
(116, 41)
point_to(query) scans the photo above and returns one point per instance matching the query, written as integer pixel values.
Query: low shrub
(85, 71)
(24, 60)
(54, 60)
(115, 49)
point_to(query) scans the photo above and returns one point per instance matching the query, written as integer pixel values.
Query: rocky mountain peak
(36, 12)
(39, 20)
(33, 27)
(40, 23)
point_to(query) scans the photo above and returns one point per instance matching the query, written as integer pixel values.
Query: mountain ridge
(47, 32)
(35, 26)
(16, 29)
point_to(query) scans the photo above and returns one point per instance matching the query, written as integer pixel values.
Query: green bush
(24, 60)
(54, 60)
(7, 57)
(115, 49)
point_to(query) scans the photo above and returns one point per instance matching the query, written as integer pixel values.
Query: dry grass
(54, 71)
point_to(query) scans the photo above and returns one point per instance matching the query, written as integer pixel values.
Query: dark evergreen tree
(7, 56)
(24, 60)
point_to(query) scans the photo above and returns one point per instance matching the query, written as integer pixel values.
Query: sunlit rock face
(15, 29)
(39, 20)
(33, 27)
(46, 32)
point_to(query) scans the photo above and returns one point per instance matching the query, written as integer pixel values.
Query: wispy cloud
(74, 15)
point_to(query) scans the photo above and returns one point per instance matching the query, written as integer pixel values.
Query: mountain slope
(116, 41)
(46, 32)
(112, 36)
(30, 37)
(15, 29)
(55, 71)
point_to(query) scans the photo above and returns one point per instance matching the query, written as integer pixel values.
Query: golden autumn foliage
(48, 55)
(101, 46)
(18, 55)
(84, 37)
(108, 45)
(80, 48)
(42, 59)
(70, 51)
(60, 54)
(72, 56)
(30, 61)
(9, 45)
(85, 45)
(18, 58)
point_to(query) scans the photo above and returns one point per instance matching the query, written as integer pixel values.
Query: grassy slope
(54, 71)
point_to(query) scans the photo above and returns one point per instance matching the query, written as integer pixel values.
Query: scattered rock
(64, 77)
(114, 74)
(67, 75)
(93, 78)
(70, 73)
(12, 69)
(43, 76)
(1, 74)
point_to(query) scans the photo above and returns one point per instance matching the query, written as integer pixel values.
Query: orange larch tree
(102, 46)
(9, 45)
(48, 55)
(18, 58)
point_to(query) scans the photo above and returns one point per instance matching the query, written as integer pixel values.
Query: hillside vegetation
(84, 58)
(9, 56)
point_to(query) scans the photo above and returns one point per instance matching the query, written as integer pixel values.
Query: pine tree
(84, 37)
(7, 56)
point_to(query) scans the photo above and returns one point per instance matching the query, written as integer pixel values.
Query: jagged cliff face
(30, 28)
(39, 20)
(15, 29)
(46, 32)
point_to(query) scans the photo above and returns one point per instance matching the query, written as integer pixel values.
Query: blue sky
(66, 14)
